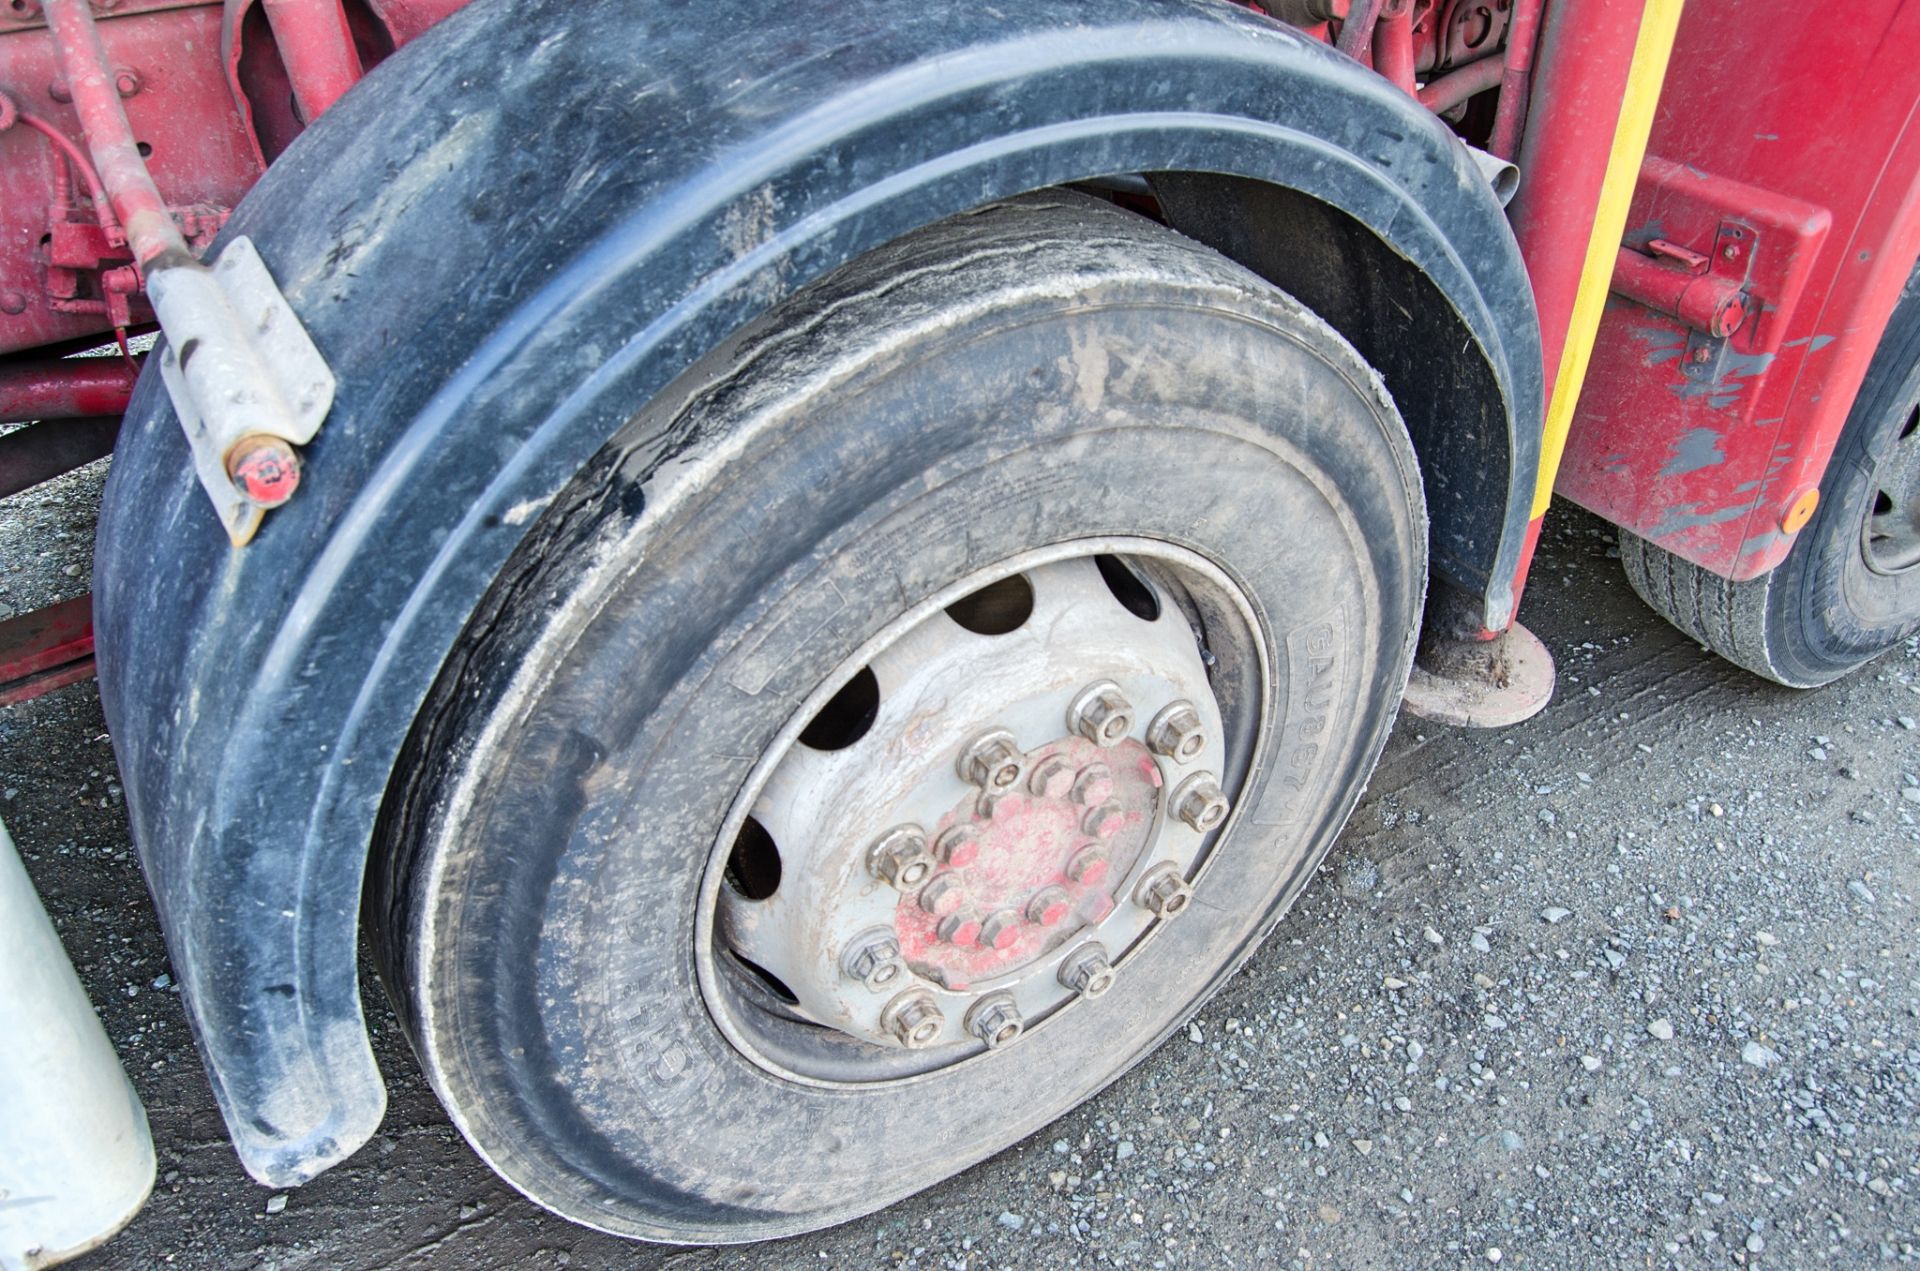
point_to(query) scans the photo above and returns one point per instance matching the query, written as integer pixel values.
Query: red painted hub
(1022, 871)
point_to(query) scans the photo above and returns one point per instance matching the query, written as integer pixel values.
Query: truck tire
(807, 821)
(1849, 589)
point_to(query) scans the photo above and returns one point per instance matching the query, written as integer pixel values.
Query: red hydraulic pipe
(1574, 108)
(70, 388)
(1393, 46)
(1356, 30)
(317, 46)
(75, 156)
(1454, 87)
(135, 199)
(1511, 114)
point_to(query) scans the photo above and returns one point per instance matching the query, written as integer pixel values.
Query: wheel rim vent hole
(767, 979)
(997, 608)
(1128, 588)
(753, 867)
(845, 718)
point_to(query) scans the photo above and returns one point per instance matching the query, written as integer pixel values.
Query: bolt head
(1101, 713)
(1049, 906)
(1094, 785)
(1104, 821)
(913, 1019)
(264, 469)
(900, 857)
(992, 761)
(995, 1020)
(961, 927)
(1164, 891)
(1087, 971)
(1176, 733)
(1201, 803)
(1001, 929)
(946, 893)
(873, 958)
(1088, 865)
(958, 845)
(1052, 777)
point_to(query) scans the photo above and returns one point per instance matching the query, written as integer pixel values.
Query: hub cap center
(1025, 870)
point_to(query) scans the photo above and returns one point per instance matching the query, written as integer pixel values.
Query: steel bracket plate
(237, 363)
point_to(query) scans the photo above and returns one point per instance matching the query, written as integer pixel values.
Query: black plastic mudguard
(511, 235)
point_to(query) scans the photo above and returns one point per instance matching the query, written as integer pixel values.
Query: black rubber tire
(1037, 372)
(1823, 611)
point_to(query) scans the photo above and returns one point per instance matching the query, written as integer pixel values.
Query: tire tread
(1727, 617)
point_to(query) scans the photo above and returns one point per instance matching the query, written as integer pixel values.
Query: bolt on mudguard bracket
(246, 379)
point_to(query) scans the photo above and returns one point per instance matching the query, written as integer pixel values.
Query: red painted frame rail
(46, 649)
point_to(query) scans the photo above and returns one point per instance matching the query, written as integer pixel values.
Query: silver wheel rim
(1890, 535)
(1023, 810)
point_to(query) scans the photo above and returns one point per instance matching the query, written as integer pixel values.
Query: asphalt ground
(1632, 984)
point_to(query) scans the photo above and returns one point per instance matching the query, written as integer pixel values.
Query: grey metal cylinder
(76, 1161)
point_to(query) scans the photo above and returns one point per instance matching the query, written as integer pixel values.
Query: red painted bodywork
(1786, 152)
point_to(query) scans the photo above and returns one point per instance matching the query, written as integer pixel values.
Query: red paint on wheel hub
(1040, 856)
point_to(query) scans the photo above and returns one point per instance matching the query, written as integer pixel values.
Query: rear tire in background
(1044, 533)
(1849, 589)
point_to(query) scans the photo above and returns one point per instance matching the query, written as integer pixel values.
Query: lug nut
(900, 857)
(1001, 929)
(995, 1020)
(1100, 713)
(1164, 891)
(1052, 777)
(1094, 785)
(944, 894)
(991, 761)
(873, 958)
(1048, 906)
(1086, 970)
(1176, 733)
(913, 1018)
(1200, 802)
(958, 845)
(1088, 865)
(1104, 821)
(961, 927)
